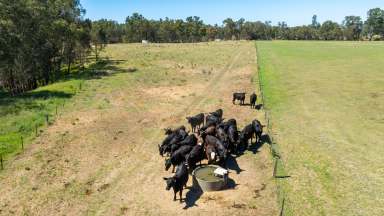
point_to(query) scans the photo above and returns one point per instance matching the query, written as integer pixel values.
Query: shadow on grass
(11, 104)
(98, 70)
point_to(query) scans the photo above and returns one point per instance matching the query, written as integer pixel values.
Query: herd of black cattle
(212, 138)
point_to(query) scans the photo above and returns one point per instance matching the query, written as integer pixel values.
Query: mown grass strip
(279, 172)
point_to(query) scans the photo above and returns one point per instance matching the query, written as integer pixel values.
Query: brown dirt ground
(107, 163)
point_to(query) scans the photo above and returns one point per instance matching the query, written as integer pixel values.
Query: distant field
(327, 107)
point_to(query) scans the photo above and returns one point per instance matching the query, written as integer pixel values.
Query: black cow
(258, 128)
(196, 121)
(191, 140)
(218, 113)
(245, 135)
(233, 137)
(240, 97)
(222, 136)
(253, 99)
(214, 149)
(178, 181)
(212, 120)
(196, 155)
(208, 130)
(169, 131)
(178, 157)
(174, 136)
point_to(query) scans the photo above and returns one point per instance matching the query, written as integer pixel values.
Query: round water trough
(205, 179)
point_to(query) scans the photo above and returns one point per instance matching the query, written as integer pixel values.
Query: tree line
(137, 28)
(41, 41)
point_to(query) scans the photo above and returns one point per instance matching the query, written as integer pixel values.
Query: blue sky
(294, 12)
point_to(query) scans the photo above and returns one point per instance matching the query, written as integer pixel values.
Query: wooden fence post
(47, 118)
(56, 109)
(36, 130)
(1, 162)
(22, 143)
(275, 168)
(282, 207)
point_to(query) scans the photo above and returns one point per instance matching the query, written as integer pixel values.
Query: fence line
(273, 145)
(35, 127)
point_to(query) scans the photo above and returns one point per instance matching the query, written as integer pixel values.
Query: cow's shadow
(254, 148)
(259, 106)
(232, 164)
(192, 196)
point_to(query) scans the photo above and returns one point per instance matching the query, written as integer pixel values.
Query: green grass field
(326, 101)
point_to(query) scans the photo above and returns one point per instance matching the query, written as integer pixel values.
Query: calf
(252, 100)
(178, 181)
(177, 157)
(258, 129)
(196, 121)
(240, 97)
(245, 135)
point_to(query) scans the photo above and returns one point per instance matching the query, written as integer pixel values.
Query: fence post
(1, 162)
(282, 207)
(56, 109)
(275, 168)
(36, 130)
(47, 118)
(22, 143)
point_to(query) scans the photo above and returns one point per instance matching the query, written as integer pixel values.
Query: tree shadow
(99, 69)
(232, 164)
(27, 101)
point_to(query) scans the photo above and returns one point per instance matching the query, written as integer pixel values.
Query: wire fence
(36, 128)
(278, 169)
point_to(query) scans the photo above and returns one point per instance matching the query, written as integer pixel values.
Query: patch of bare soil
(106, 161)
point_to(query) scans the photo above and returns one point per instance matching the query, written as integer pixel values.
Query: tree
(375, 22)
(353, 26)
(98, 39)
(331, 31)
(315, 24)
(229, 28)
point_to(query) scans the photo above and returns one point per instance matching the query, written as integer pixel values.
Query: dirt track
(108, 161)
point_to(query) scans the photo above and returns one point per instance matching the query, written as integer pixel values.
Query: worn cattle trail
(108, 162)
